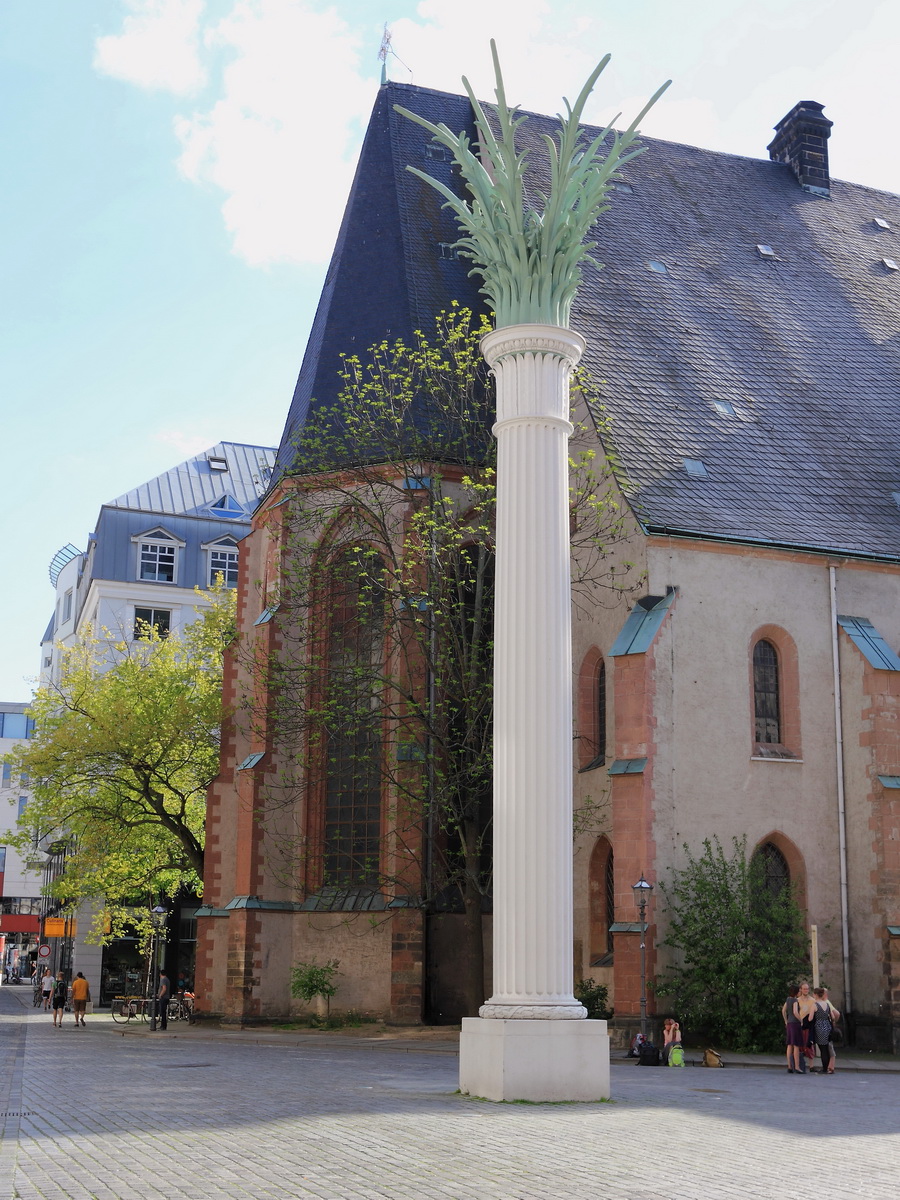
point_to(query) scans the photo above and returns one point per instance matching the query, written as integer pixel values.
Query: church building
(744, 333)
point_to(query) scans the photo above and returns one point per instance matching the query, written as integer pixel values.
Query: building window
(592, 712)
(67, 606)
(223, 562)
(353, 746)
(602, 903)
(776, 874)
(16, 725)
(147, 618)
(23, 804)
(157, 562)
(766, 700)
(601, 712)
(7, 775)
(2, 859)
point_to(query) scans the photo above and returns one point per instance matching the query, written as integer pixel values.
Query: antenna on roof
(383, 52)
(385, 49)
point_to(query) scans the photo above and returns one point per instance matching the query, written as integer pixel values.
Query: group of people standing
(55, 994)
(810, 1021)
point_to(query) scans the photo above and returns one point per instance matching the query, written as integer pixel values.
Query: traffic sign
(43, 951)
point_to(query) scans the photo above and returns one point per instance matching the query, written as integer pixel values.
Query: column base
(534, 1060)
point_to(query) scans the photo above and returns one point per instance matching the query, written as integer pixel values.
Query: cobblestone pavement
(92, 1114)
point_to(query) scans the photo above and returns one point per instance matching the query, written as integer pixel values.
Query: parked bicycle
(130, 1008)
(181, 1007)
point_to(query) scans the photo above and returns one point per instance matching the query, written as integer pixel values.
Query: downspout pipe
(839, 770)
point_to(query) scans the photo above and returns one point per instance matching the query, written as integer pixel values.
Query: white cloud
(157, 48)
(279, 142)
(188, 442)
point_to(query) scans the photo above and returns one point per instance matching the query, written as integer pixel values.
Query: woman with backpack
(60, 993)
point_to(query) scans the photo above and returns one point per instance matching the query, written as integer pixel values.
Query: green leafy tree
(381, 686)
(312, 980)
(739, 943)
(125, 746)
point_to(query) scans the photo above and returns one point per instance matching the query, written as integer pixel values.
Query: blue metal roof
(642, 624)
(869, 641)
(628, 766)
(199, 487)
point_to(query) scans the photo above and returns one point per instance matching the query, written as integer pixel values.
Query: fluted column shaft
(532, 675)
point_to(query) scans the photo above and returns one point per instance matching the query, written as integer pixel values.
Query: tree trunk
(473, 926)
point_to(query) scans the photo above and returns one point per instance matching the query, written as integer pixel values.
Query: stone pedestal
(534, 1060)
(531, 1034)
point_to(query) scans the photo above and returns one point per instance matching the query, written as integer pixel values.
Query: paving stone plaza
(96, 1114)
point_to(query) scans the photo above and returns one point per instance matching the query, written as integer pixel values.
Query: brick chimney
(801, 141)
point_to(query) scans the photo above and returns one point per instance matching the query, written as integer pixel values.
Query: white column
(530, 1041)
(532, 675)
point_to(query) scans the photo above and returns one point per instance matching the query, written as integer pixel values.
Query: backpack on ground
(634, 1050)
(676, 1055)
(712, 1058)
(648, 1055)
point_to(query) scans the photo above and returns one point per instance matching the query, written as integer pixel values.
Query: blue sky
(174, 171)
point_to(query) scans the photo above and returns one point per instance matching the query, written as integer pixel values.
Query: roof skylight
(619, 185)
(890, 264)
(217, 464)
(724, 406)
(659, 267)
(766, 251)
(881, 223)
(695, 468)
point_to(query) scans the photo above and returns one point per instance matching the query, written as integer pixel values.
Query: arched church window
(354, 682)
(775, 872)
(602, 903)
(766, 693)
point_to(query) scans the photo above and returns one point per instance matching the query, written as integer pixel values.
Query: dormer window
(157, 560)
(222, 560)
(227, 506)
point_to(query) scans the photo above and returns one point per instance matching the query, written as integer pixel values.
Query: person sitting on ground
(671, 1037)
(81, 993)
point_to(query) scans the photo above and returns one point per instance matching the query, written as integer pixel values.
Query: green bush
(739, 943)
(309, 980)
(594, 997)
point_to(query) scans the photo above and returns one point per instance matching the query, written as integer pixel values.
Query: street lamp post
(158, 918)
(641, 891)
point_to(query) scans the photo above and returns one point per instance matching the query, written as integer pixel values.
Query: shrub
(309, 980)
(739, 943)
(594, 997)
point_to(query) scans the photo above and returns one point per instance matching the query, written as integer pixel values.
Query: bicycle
(181, 1008)
(129, 1008)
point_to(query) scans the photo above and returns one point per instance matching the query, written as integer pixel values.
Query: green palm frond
(530, 259)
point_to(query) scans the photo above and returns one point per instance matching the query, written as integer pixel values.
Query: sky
(174, 172)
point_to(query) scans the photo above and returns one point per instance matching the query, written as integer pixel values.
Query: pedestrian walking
(47, 982)
(60, 992)
(81, 994)
(162, 999)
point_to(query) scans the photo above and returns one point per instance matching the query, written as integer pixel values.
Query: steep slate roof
(193, 486)
(804, 346)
